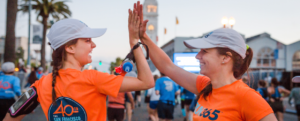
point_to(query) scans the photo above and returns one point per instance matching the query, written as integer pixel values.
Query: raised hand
(133, 27)
(139, 7)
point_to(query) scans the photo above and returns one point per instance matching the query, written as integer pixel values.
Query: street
(140, 114)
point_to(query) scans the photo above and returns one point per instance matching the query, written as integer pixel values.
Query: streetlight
(29, 25)
(231, 22)
(224, 21)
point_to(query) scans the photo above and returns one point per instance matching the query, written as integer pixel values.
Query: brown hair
(58, 58)
(262, 83)
(240, 66)
(155, 77)
(274, 82)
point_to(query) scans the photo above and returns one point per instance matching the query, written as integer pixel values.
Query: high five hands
(136, 24)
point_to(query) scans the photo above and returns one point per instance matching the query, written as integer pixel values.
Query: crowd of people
(11, 86)
(70, 93)
(274, 94)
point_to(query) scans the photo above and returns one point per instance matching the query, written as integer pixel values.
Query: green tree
(45, 8)
(95, 68)
(10, 38)
(117, 63)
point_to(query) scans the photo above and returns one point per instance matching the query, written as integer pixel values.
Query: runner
(154, 98)
(137, 98)
(129, 102)
(182, 103)
(167, 89)
(39, 72)
(32, 77)
(295, 93)
(147, 98)
(224, 58)
(262, 89)
(116, 107)
(9, 87)
(275, 98)
(188, 98)
(71, 94)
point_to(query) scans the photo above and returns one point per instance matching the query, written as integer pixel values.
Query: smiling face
(82, 50)
(210, 61)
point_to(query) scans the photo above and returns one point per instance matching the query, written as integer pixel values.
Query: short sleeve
(107, 84)
(157, 86)
(201, 82)
(254, 107)
(36, 84)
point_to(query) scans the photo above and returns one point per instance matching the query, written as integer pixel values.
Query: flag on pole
(177, 22)
(165, 30)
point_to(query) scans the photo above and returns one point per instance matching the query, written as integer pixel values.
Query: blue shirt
(39, 76)
(9, 84)
(187, 94)
(263, 92)
(167, 89)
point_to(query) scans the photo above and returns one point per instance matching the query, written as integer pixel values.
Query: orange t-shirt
(81, 95)
(234, 102)
(117, 102)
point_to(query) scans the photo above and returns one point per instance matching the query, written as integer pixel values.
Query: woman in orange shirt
(224, 58)
(72, 94)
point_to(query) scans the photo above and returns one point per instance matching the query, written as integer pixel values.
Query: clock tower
(150, 13)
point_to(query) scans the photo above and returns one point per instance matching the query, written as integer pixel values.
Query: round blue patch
(66, 109)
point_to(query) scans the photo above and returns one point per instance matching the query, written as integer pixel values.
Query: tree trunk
(43, 60)
(10, 38)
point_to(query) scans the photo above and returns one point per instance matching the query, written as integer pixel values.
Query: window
(151, 8)
(296, 61)
(265, 57)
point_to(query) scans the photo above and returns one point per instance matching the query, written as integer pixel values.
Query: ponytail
(58, 57)
(240, 66)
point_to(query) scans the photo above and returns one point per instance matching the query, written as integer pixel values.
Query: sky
(281, 19)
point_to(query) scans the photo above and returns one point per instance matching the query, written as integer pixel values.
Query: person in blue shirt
(262, 89)
(167, 89)
(9, 87)
(188, 98)
(39, 72)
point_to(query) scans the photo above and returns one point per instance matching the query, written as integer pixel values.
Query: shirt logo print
(208, 35)
(4, 85)
(211, 114)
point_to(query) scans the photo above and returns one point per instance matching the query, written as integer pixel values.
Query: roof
(265, 34)
(167, 43)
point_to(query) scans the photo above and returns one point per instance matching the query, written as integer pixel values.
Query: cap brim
(93, 33)
(296, 79)
(198, 43)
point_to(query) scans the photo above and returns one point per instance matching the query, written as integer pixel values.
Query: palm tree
(56, 8)
(10, 38)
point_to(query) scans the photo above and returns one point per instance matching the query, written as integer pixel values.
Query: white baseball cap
(296, 79)
(68, 29)
(224, 37)
(8, 67)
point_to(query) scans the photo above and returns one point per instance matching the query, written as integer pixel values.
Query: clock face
(151, 8)
(150, 27)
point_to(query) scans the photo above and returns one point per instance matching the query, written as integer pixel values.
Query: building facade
(151, 13)
(21, 42)
(270, 57)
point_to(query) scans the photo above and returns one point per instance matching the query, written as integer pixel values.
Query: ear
(227, 58)
(70, 49)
